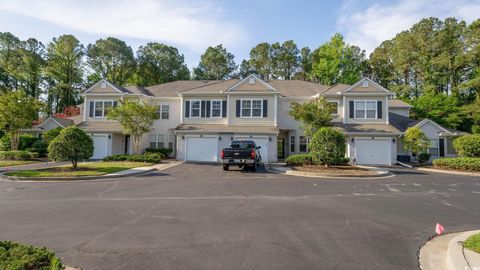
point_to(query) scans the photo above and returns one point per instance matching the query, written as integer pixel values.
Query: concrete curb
(460, 258)
(283, 170)
(116, 175)
(446, 252)
(449, 172)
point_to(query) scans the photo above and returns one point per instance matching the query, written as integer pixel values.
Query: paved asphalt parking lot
(196, 216)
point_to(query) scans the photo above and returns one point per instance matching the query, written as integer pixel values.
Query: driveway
(197, 216)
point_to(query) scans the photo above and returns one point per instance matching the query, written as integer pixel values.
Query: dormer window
(103, 85)
(251, 80)
(365, 83)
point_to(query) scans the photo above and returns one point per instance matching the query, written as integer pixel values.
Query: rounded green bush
(328, 146)
(152, 158)
(423, 157)
(73, 144)
(468, 145)
(300, 159)
(19, 256)
(458, 163)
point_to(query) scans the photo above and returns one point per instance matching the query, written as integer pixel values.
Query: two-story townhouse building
(198, 118)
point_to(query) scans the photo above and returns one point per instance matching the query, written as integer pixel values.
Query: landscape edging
(448, 172)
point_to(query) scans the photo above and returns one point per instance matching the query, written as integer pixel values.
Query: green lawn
(7, 163)
(473, 243)
(84, 169)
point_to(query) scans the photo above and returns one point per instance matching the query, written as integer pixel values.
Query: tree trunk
(14, 141)
(74, 164)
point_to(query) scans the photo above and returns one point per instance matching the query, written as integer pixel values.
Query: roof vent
(103, 85)
(251, 80)
(365, 83)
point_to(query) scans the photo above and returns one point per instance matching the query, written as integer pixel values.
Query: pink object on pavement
(439, 229)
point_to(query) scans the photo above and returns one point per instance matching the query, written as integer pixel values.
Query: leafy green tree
(215, 64)
(9, 45)
(51, 134)
(30, 67)
(415, 140)
(111, 59)
(305, 68)
(468, 145)
(312, 115)
(328, 146)
(286, 60)
(73, 145)
(260, 60)
(136, 119)
(441, 108)
(245, 70)
(65, 70)
(17, 112)
(338, 62)
(159, 63)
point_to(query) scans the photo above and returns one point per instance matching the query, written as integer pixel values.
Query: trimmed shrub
(26, 141)
(16, 155)
(39, 147)
(468, 145)
(300, 159)
(458, 163)
(328, 146)
(476, 129)
(165, 151)
(73, 144)
(423, 157)
(5, 143)
(153, 158)
(19, 256)
(51, 134)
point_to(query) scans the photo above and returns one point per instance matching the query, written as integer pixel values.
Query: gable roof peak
(252, 79)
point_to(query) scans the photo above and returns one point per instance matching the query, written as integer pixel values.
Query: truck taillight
(222, 154)
(252, 154)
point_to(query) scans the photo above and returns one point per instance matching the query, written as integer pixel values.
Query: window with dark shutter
(379, 109)
(238, 108)
(265, 108)
(203, 108)
(224, 108)
(187, 108)
(352, 109)
(115, 103)
(208, 108)
(91, 108)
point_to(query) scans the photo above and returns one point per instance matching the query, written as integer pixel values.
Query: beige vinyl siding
(267, 121)
(245, 86)
(97, 89)
(98, 98)
(349, 120)
(400, 111)
(371, 88)
(203, 120)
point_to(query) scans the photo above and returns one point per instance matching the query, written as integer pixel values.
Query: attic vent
(103, 85)
(365, 83)
(251, 80)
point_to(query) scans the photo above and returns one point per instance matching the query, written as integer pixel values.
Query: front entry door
(281, 148)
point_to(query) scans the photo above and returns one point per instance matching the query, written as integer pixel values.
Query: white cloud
(369, 27)
(192, 25)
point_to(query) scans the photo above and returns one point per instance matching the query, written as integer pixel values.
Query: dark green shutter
(208, 108)
(238, 108)
(203, 108)
(187, 108)
(379, 109)
(224, 108)
(352, 109)
(265, 108)
(91, 108)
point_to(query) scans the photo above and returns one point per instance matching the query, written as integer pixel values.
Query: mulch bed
(334, 170)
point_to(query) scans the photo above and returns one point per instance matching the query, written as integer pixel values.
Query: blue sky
(192, 26)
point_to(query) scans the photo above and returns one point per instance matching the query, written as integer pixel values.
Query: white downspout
(275, 111)
(344, 110)
(181, 110)
(228, 110)
(85, 103)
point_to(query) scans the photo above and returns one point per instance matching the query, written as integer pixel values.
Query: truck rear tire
(225, 167)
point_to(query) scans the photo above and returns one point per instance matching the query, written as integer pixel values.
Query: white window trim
(103, 107)
(338, 106)
(211, 108)
(168, 111)
(251, 108)
(199, 106)
(364, 109)
(299, 144)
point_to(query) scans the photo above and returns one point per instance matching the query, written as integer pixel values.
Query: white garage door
(259, 141)
(100, 144)
(201, 148)
(373, 152)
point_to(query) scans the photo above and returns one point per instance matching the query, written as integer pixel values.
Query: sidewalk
(33, 166)
(125, 173)
(446, 252)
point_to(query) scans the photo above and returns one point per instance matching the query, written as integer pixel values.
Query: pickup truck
(241, 153)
